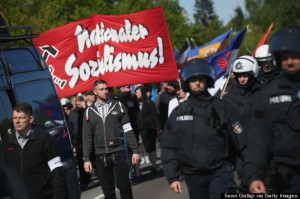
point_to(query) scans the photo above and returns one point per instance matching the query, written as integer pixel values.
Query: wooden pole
(225, 86)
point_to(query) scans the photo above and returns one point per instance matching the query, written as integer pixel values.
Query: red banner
(120, 49)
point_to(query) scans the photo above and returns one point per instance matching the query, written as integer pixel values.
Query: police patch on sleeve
(237, 127)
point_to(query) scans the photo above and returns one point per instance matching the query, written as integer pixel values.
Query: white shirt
(173, 103)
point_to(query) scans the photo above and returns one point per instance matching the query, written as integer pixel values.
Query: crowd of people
(250, 127)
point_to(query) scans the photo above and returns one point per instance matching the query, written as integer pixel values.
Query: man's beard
(293, 75)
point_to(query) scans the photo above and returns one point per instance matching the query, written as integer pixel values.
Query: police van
(25, 77)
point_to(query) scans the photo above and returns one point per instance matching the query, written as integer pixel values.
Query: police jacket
(240, 102)
(195, 138)
(38, 165)
(267, 77)
(275, 130)
(107, 133)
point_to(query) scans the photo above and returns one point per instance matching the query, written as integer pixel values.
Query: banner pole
(225, 86)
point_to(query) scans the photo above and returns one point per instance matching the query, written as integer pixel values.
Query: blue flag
(210, 48)
(154, 93)
(181, 57)
(176, 52)
(221, 60)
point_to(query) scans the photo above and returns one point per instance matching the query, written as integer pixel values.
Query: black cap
(68, 105)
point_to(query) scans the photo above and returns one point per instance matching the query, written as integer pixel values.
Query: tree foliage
(204, 12)
(48, 14)
(238, 20)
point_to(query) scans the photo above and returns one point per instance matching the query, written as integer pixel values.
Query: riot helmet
(264, 59)
(197, 68)
(245, 64)
(262, 53)
(286, 39)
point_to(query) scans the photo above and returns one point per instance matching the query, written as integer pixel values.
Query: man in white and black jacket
(106, 125)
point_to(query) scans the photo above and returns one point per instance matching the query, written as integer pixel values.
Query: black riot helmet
(286, 39)
(195, 68)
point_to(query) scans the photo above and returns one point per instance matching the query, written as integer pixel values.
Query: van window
(40, 94)
(22, 59)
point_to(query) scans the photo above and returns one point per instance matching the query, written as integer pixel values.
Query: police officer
(240, 98)
(264, 58)
(275, 121)
(195, 137)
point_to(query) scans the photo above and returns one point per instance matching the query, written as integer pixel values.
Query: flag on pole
(223, 60)
(183, 53)
(217, 44)
(176, 52)
(263, 39)
(120, 49)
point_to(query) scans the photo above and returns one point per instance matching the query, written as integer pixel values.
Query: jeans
(212, 184)
(112, 169)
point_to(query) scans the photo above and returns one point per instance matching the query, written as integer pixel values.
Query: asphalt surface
(149, 186)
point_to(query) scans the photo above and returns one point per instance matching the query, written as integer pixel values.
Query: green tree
(238, 21)
(203, 34)
(253, 7)
(280, 12)
(204, 12)
(48, 14)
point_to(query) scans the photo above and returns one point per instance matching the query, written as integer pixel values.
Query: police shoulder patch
(237, 127)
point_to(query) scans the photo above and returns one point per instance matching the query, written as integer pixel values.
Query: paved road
(151, 186)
